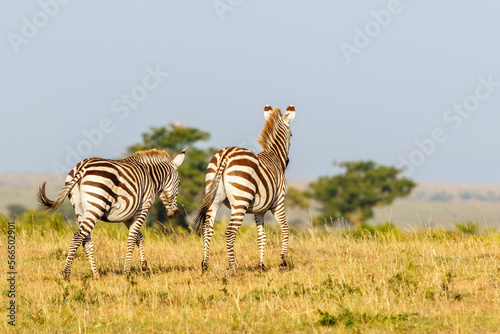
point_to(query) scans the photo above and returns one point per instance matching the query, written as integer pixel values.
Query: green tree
(174, 138)
(353, 194)
(16, 210)
(296, 198)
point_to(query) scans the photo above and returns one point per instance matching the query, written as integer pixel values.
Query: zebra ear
(290, 114)
(267, 111)
(179, 158)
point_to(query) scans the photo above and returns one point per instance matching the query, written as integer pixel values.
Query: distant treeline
(444, 196)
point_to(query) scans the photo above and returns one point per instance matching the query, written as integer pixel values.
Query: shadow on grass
(135, 271)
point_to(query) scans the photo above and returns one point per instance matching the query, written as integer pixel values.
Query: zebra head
(276, 134)
(287, 119)
(169, 193)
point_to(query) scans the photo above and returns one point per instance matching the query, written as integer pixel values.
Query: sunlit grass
(363, 280)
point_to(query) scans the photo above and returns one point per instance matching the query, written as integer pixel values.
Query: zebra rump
(52, 205)
(199, 221)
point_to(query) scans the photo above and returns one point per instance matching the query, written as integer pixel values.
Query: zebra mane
(268, 133)
(152, 155)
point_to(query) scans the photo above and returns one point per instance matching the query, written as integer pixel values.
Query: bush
(385, 230)
(363, 231)
(16, 210)
(388, 230)
(467, 228)
(42, 222)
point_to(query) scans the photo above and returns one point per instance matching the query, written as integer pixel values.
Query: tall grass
(371, 279)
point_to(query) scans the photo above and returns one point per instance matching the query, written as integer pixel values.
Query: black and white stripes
(117, 191)
(249, 183)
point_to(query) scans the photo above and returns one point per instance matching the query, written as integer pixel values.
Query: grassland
(371, 280)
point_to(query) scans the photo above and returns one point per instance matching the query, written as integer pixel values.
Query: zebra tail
(52, 205)
(200, 219)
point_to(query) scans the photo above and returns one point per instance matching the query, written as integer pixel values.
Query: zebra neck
(279, 153)
(159, 173)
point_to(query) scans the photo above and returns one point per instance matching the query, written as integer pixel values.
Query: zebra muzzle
(172, 214)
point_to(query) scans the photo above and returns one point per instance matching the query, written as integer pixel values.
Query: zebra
(117, 191)
(249, 183)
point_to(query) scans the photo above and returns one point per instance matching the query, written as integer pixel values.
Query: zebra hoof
(284, 265)
(287, 265)
(231, 270)
(261, 267)
(144, 267)
(65, 276)
(204, 267)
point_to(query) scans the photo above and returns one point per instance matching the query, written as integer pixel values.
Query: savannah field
(370, 280)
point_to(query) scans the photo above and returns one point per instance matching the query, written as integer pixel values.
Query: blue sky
(405, 83)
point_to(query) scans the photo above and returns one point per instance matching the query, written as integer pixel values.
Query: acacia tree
(353, 194)
(174, 138)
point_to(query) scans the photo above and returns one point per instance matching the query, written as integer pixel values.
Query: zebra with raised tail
(249, 183)
(117, 191)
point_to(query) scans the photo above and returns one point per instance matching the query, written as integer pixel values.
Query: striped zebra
(249, 183)
(117, 191)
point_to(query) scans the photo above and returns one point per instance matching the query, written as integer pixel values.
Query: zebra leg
(208, 232)
(86, 226)
(76, 241)
(139, 243)
(234, 224)
(88, 247)
(75, 199)
(133, 234)
(144, 263)
(280, 216)
(261, 238)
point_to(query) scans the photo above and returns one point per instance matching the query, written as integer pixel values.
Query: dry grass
(342, 281)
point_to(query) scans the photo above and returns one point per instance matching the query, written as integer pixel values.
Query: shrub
(468, 228)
